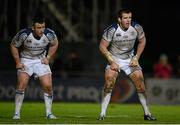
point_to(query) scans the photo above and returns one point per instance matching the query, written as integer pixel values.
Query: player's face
(125, 21)
(38, 29)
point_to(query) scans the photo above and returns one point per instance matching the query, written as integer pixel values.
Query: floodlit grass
(87, 113)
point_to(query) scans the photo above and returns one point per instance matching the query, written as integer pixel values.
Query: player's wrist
(136, 57)
(48, 57)
(109, 57)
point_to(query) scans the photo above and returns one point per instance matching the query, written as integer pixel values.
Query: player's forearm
(52, 50)
(140, 48)
(15, 54)
(106, 54)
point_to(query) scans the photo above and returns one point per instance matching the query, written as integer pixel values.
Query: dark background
(160, 20)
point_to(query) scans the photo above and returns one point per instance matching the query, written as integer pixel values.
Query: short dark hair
(38, 18)
(121, 11)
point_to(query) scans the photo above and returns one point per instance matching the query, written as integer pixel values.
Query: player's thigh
(46, 81)
(23, 79)
(138, 80)
(110, 76)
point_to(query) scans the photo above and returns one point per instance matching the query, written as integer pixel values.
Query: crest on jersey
(44, 41)
(132, 33)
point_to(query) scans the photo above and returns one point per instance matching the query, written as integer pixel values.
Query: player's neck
(36, 36)
(124, 29)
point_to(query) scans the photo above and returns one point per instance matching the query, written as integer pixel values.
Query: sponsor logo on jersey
(36, 44)
(29, 41)
(118, 34)
(125, 36)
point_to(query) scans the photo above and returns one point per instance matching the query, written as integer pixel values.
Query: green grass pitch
(87, 113)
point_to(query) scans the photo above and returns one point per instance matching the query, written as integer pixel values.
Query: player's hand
(20, 66)
(114, 67)
(134, 61)
(45, 61)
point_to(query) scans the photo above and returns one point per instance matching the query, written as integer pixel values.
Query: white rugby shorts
(34, 67)
(124, 65)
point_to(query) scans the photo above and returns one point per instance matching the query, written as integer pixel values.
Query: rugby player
(117, 46)
(32, 48)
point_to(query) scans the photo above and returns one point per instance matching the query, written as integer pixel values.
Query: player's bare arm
(52, 50)
(103, 49)
(140, 49)
(141, 46)
(15, 54)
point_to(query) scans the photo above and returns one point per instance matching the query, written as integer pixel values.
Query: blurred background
(78, 67)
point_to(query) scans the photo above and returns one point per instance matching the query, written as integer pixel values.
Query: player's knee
(140, 88)
(108, 88)
(48, 89)
(21, 86)
(110, 80)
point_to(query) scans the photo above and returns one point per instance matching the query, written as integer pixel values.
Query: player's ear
(32, 27)
(119, 19)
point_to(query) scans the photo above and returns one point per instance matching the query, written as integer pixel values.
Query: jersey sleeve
(140, 31)
(50, 34)
(109, 33)
(19, 38)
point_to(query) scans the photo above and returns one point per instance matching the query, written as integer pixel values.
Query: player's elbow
(12, 46)
(142, 40)
(101, 49)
